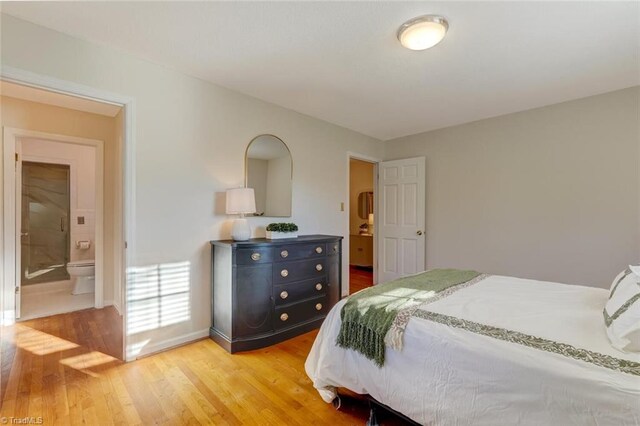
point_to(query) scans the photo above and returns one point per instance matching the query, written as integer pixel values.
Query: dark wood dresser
(266, 291)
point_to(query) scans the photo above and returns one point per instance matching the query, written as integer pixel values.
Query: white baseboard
(163, 345)
(115, 305)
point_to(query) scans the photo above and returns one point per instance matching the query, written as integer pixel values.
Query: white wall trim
(375, 161)
(127, 236)
(115, 304)
(11, 138)
(164, 345)
(110, 302)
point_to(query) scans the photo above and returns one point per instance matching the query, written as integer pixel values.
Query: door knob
(419, 232)
(24, 234)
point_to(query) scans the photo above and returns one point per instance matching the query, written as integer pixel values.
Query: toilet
(82, 274)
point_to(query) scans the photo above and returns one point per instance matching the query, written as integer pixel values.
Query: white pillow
(622, 311)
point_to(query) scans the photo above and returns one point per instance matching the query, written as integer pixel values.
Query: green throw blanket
(368, 315)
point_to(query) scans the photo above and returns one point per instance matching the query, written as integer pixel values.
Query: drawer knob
(318, 249)
(318, 267)
(335, 249)
(284, 295)
(284, 273)
(318, 286)
(255, 256)
(318, 306)
(284, 317)
(284, 253)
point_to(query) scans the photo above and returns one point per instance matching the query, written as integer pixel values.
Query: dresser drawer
(290, 315)
(299, 251)
(291, 293)
(288, 272)
(250, 256)
(333, 249)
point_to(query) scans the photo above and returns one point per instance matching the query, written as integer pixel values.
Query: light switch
(341, 207)
(80, 220)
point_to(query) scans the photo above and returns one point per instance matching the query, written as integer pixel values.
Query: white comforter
(450, 376)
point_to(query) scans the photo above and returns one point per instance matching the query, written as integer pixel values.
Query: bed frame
(375, 407)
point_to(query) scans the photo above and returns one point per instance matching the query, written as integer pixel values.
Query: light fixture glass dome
(423, 32)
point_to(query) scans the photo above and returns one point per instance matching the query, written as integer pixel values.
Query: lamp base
(241, 230)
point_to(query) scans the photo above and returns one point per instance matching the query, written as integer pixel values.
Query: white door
(401, 218)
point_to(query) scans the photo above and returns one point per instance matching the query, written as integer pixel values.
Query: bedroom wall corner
(551, 193)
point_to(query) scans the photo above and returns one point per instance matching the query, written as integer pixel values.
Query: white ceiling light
(423, 32)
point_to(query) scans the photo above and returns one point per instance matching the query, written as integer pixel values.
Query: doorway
(63, 201)
(362, 217)
(59, 217)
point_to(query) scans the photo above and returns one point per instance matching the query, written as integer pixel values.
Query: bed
(501, 351)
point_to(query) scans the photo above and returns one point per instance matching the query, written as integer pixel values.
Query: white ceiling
(341, 61)
(33, 94)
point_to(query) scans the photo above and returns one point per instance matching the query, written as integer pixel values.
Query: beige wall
(34, 116)
(190, 141)
(551, 193)
(360, 180)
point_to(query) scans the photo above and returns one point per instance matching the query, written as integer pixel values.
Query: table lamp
(241, 201)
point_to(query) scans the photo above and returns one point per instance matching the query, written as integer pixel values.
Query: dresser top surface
(263, 241)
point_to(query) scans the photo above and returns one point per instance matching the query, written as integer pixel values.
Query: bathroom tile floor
(38, 305)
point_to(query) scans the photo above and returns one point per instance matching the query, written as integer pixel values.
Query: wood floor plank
(359, 278)
(63, 368)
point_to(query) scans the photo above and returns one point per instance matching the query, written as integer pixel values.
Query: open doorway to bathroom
(57, 186)
(63, 219)
(361, 223)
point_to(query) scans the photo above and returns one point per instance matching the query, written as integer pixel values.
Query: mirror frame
(246, 166)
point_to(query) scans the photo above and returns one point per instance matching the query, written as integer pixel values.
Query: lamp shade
(241, 201)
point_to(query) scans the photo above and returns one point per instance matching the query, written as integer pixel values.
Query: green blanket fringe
(369, 314)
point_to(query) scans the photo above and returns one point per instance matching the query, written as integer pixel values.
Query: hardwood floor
(56, 368)
(359, 278)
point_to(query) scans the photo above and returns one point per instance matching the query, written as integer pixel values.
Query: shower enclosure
(45, 222)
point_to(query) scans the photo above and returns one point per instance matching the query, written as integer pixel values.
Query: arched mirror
(268, 170)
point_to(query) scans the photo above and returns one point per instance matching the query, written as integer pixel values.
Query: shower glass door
(45, 222)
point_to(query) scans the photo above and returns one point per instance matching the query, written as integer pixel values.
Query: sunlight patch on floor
(40, 343)
(86, 361)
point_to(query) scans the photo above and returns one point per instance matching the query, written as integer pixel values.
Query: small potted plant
(282, 230)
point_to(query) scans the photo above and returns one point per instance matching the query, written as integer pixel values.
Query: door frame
(12, 213)
(374, 161)
(125, 240)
